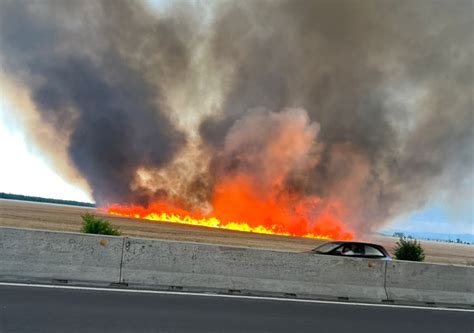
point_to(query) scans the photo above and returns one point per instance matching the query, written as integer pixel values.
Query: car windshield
(325, 248)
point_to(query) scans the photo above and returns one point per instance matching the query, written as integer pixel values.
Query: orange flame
(238, 206)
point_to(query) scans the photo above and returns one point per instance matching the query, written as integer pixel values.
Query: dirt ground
(33, 215)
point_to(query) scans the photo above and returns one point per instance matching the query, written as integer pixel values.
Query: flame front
(237, 206)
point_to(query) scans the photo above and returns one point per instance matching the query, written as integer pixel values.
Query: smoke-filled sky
(361, 108)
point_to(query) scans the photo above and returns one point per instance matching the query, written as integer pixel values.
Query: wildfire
(252, 190)
(237, 206)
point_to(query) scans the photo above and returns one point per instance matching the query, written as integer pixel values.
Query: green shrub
(409, 249)
(95, 225)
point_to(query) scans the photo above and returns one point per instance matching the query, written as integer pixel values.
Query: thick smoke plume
(364, 104)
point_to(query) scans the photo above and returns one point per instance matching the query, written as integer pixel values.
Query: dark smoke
(344, 62)
(88, 72)
(388, 82)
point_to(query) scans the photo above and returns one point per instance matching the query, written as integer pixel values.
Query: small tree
(409, 249)
(95, 225)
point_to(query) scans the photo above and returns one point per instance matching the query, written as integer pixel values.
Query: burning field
(314, 119)
(250, 191)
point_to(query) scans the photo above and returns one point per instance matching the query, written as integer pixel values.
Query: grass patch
(92, 224)
(409, 249)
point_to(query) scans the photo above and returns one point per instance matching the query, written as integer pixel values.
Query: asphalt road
(40, 309)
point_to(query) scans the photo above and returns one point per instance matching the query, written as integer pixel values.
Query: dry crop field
(22, 214)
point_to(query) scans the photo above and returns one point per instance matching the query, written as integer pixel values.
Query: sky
(23, 170)
(434, 218)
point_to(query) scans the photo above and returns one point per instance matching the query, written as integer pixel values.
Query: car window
(358, 249)
(350, 249)
(372, 251)
(326, 248)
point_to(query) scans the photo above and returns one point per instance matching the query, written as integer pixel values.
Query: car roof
(351, 242)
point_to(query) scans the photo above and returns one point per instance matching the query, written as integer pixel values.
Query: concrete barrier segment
(44, 255)
(430, 283)
(210, 267)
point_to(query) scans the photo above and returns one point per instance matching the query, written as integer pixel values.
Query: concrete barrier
(43, 256)
(430, 283)
(189, 266)
(31, 255)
